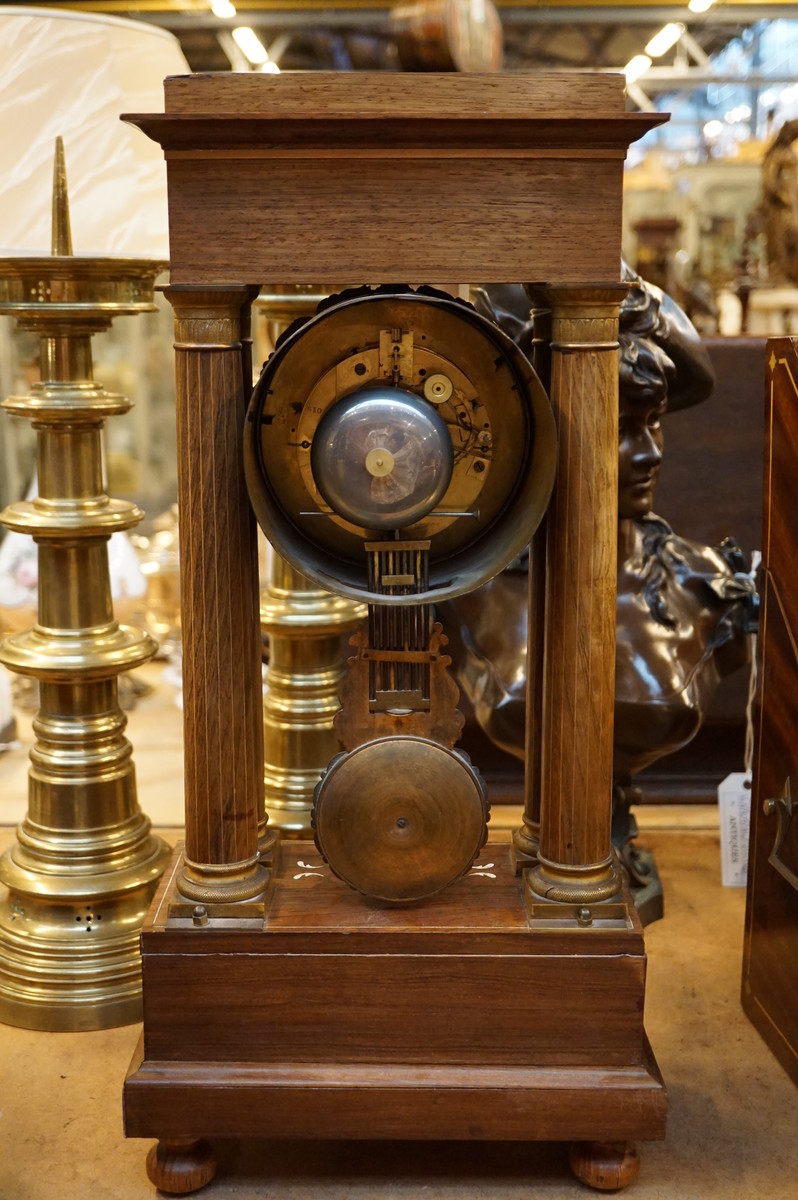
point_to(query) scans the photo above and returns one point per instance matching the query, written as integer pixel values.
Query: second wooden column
(575, 861)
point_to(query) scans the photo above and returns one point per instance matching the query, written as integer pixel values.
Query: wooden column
(222, 692)
(527, 839)
(575, 859)
(267, 835)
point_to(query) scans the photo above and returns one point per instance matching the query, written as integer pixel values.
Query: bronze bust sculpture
(683, 608)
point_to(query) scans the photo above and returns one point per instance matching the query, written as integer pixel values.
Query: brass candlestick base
(306, 666)
(85, 865)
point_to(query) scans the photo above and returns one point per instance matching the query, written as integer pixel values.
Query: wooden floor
(731, 1132)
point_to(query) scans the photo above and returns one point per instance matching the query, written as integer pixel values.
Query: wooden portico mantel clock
(403, 978)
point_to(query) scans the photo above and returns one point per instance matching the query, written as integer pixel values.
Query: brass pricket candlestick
(304, 625)
(85, 865)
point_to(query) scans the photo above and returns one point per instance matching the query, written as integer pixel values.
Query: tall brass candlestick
(85, 865)
(306, 665)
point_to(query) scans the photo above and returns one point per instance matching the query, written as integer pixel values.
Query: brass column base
(526, 840)
(228, 883)
(574, 884)
(69, 945)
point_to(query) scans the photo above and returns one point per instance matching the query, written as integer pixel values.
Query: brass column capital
(208, 317)
(585, 318)
(585, 295)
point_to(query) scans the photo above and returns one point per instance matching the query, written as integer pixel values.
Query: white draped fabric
(72, 74)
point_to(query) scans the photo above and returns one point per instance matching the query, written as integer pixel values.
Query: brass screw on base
(85, 865)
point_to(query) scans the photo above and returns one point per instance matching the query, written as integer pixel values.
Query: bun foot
(181, 1165)
(606, 1166)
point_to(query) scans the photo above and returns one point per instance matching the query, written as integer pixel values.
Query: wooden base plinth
(332, 1017)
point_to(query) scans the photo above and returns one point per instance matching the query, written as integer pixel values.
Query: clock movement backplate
(494, 407)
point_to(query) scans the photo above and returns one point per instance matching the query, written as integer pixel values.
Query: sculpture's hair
(654, 319)
(641, 359)
(644, 369)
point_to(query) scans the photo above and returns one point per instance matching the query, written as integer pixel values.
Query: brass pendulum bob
(85, 865)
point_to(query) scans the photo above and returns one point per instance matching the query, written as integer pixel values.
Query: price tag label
(734, 801)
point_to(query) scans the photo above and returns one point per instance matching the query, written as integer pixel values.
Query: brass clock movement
(396, 413)
(399, 449)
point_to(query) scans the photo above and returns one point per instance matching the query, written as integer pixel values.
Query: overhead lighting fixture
(636, 67)
(713, 129)
(639, 97)
(668, 36)
(223, 8)
(247, 40)
(700, 6)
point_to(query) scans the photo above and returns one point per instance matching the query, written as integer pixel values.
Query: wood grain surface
(341, 1018)
(780, 513)
(354, 96)
(171, 1099)
(464, 978)
(181, 1165)
(222, 704)
(375, 220)
(490, 177)
(605, 1166)
(581, 568)
(770, 953)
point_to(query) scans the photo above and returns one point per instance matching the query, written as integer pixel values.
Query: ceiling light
(700, 6)
(668, 36)
(223, 8)
(636, 67)
(248, 41)
(713, 129)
